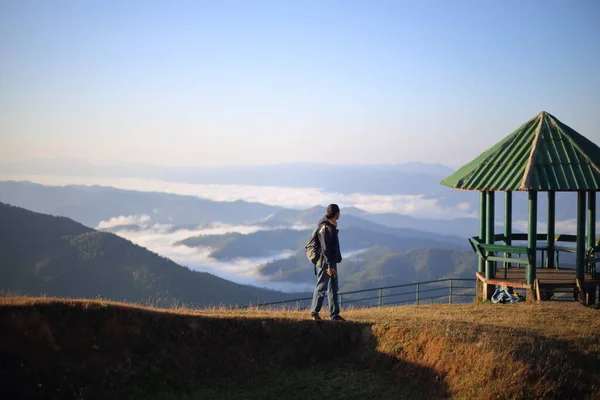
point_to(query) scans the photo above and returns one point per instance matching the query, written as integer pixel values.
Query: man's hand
(331, 272)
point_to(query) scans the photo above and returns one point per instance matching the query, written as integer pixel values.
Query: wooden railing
(489, 252)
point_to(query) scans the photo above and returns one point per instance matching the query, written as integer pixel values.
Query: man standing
(327, 276)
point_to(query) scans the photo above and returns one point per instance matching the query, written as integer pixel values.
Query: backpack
(313, 247)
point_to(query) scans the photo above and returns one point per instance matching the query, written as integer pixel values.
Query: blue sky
(263, 82)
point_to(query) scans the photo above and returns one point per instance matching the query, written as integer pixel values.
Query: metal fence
(450, 291)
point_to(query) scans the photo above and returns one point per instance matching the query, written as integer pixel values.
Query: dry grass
(548, 350)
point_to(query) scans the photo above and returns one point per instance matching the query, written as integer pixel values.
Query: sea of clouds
(162, 239)
(418, 206)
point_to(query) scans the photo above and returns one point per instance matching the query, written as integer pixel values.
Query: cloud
(161, 238)
(418, 206)
(140, 220)
(223, 229)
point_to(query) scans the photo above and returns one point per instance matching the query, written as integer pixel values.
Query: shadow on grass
(58, 350)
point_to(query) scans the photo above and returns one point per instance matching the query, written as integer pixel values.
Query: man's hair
(332, 209)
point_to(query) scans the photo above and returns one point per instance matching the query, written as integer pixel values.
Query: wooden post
(490, 266)
(532, 237)
(580, 267)
(417, 291)
(482, 220)
(450, 294)
(507, 226)
(380, 303)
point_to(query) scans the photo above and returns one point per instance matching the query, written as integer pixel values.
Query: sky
(201, 83)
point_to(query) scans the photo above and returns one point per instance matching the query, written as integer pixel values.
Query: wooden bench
(487, 253)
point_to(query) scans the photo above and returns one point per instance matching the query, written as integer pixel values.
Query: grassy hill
(54, 348)
(42, 254)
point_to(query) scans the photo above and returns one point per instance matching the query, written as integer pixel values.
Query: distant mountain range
(375, 255)
(399, 179)
(381, 266)
(454, 231)
(408, 178)
(270, 242)
(92, 205)
(55, 256)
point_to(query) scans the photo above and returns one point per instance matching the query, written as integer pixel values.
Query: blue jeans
(326, 285)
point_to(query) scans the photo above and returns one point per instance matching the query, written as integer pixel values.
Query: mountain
(409, 178)
(91, 205)
(257, 244)
(271, 242)
(566, 203)
(42, 254)
(354, 217)
(463, 227)
(379, 266)
(415, 265)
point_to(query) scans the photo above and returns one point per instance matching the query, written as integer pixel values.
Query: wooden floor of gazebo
(560, 278)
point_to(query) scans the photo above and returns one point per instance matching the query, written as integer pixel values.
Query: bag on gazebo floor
(504, 295)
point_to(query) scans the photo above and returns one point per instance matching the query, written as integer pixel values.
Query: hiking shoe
(315, 317)
(338, 318)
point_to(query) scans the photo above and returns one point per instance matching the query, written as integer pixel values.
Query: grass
(62, 348)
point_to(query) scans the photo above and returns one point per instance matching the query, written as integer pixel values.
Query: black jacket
(330, 243)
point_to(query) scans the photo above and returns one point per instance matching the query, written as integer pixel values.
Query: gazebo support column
(591, 218)
(580, 267)
(591, 234)
(490, 266)
(507, 226)
(551, 227)
(482, 232)
(482, 229)
(532, 243)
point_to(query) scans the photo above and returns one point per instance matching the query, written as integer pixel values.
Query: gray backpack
(313, 247)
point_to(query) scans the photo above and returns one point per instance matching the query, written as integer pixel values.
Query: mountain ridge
(56, 256)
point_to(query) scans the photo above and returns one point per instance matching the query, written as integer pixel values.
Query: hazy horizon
(81, 160)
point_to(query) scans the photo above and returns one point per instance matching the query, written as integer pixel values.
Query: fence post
(380, 297)
(417, 291)
(340, 300)
(450, 295)
(298, 305)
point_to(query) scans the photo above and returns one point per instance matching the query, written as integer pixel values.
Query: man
(327, 276)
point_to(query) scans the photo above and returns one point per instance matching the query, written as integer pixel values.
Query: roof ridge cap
(534, 149)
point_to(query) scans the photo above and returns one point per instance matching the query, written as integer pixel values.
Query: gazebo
(542, 155)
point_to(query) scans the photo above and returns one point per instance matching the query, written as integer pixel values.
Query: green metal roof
(543, 154)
